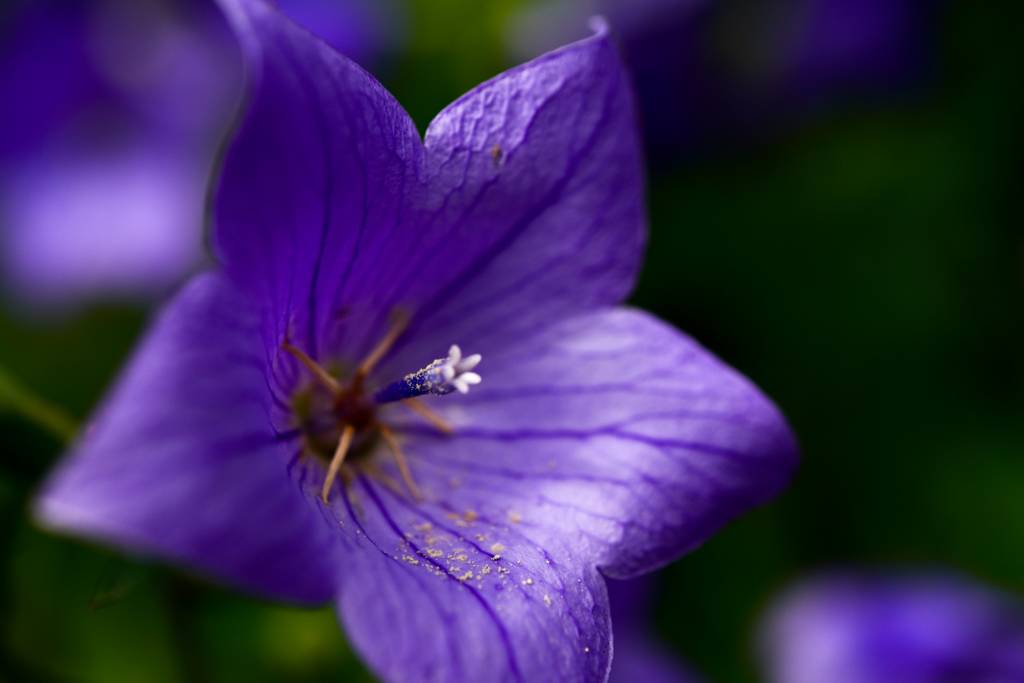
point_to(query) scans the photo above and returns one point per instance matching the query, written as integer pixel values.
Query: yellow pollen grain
(461, 558)
(514, 517)
(497, 548)
(452, 516)
(547, 600)
(426, 526)
(469, 515)
(467, 576)
(481, 538)
(410, 560)
(586, 649)
(496, 558)
(434, 553)
(528, 582)
(485, 570)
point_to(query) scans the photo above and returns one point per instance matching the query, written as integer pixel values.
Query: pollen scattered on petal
(514, 517)
(528, 582)
(496, 558)
(466, 577)
(497, 548)
(486, 569)
(433, 553)
(426, 526)
(547, 600)
(469, 515)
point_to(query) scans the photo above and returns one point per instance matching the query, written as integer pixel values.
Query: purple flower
(106, 153)
(639, 657)
(253, 439)
(863, 628)
(713, 74)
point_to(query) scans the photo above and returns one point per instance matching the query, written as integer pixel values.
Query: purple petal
(424, 599)
(611, 435)
(359, 29)
(524, 204)
(65, 238)
(182, 463)
(863, 628)
(609, 441)
(105, 159)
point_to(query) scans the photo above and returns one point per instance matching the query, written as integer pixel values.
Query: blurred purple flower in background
(873, 628)
(639, 657)
(719, 74)
(115, 109)
(462, 537)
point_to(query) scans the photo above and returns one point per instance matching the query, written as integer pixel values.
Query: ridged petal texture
(601, 441)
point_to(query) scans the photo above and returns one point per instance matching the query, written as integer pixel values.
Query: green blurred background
(867, 272)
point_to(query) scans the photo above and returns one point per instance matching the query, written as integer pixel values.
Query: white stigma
(457, 370)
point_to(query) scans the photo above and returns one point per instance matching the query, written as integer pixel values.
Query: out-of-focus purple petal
(182, 463)
(45, 69)
(359, 29)
(714, 74)
(524, 204)
(105, 155)
(63, 236)
(871, 628)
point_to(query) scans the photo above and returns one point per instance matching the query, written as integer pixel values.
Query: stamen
(370, 469)
(427, 413)
(441, 377)
(403, 467)
(339, 456)
(398, 325)
(329, 382)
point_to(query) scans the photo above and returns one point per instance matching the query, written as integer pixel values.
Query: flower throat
(339, 424)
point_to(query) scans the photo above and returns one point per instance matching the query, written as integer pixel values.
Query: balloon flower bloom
(409, 388)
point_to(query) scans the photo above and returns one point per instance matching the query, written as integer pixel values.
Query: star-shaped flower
(284, 426)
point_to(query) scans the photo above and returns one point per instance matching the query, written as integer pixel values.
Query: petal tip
(599, 25)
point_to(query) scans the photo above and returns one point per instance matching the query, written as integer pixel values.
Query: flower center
(339, 424)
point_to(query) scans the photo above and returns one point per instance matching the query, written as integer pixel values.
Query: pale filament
(325, 378)
(403, 467)
(339, 456)
(430, 415)
(401, 321)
